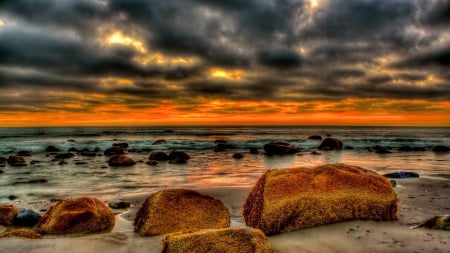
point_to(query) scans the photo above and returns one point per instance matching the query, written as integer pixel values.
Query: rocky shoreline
(419, 198)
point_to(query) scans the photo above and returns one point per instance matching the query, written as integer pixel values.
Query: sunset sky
(153, 62)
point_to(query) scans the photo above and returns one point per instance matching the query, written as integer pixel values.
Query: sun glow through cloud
(118, 37)
(226, 74)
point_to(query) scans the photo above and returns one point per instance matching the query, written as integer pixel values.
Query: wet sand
(419, 199)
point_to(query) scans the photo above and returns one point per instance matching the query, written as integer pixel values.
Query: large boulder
(178, 210)
(291, 199)
(7, 214)
(279, 148)
(330, 144)
(82, 215)
(228, 240)
(121, 161)
(441, 148)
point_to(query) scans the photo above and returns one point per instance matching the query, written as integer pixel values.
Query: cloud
(284, 50)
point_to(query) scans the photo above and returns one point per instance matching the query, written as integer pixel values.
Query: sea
(45, 177)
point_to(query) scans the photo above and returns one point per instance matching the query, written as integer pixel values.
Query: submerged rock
(24, 153)
(51, 149)
(115, 150)
(16, 161)
(121, 161)
(7, 214)
(122, 145)
(238, 156)
(82, 215)
(330, 144)
(279, 148)
(159, 156)
(159, 142)
(229, 240)
(152, 162)
(315, 137)
(441, 222)
(254, 151)
(402, 174)
(291, 199)
(178, 154)
(64, 156)
(441, 148)
(177, 210)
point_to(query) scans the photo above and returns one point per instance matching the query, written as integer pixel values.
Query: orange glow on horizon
(222, 112)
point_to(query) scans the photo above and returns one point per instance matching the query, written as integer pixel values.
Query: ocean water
(44, 178)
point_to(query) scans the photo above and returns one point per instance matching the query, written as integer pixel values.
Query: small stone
(152, 162)
(120, 205)
(12, 197)
(238, 156)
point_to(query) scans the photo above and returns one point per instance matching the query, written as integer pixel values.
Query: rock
(393, 183)
(25, 233)
(224, 146)
(26, 218)
(418, 149)
(16, 161)
(24, 153)
(401, 174)
(229, 240)
(121, 160)
(31, 181)
(72, 149)
(168, 131)
(1, 171)
(220, 141)
(71, 140)
(382, 150)
(291, 199)
(119, 205)
(441, 148)
(238, 156)
(330, 144)
(315, 137)
(254, 151)
(178, 154)
(82, 215)
(159, 156)
(3, 159)
(51, 149)
(122, 145)
(62, 162)
(159, 142)
(7, 214)
(178, 160)
(88, 153)
(152, 162)
(177, 210)
(315, 152)
(441, 222)
(12, 197)
(64, 156)
(404, 149)
(279, 148)
(115, 150)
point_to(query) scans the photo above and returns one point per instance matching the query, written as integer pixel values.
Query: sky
(202, 62)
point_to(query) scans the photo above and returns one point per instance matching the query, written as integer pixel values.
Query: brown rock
(330, 144)
(177, 210)
(25, 233)
(82, 215)
(178, 154)
(115, 150)
(291, 199)
(230, 240)
(159, 156)
(121, 160)
(16, 161)
(279, 148)
(238, 156)
(7, 214)
(152, 162)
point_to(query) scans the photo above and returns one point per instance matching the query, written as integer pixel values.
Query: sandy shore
(419, 199)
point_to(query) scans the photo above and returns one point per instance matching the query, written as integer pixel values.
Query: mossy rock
(176, 210)
(230, 240)
(82, 215)
(291, 199)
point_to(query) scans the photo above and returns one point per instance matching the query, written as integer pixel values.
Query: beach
(419, 198)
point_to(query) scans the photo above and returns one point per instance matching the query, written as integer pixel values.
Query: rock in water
(402, 174)
(115, 150)
(228, 240)
(177, 210)
(16, 161)
(437, 222)
(121, 161)
(26, 218)
(7, 214)
(159, 156)
(82, 215)
(291, 199)
(330, 144)
(279, 148)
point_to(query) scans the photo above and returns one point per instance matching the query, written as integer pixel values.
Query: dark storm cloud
(284, 49)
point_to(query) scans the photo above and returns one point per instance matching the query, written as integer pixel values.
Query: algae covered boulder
(7, 214)
(177, 210)
(230, 240)
(291, 199)
(82, 215)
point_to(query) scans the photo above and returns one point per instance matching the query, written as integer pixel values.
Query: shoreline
(419, 198)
